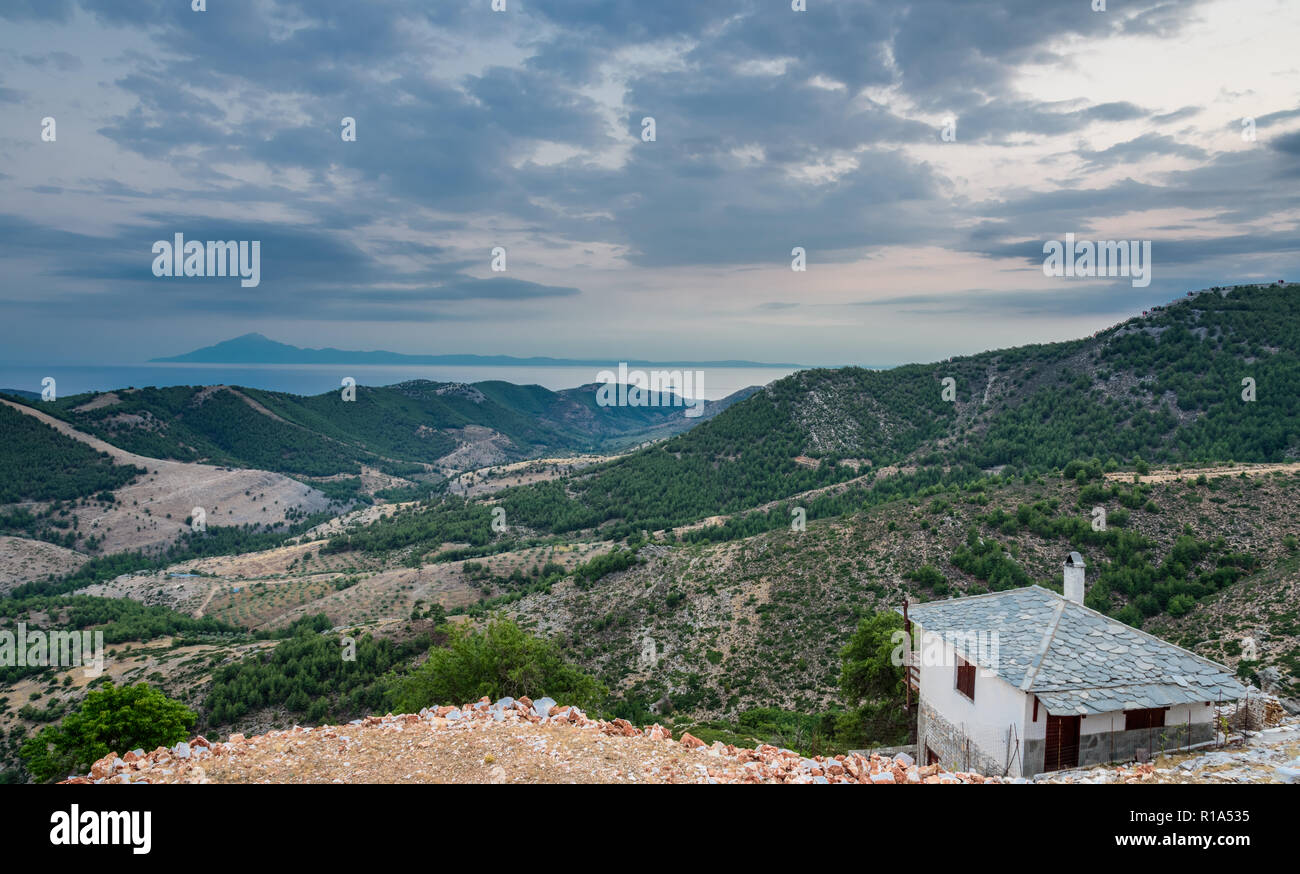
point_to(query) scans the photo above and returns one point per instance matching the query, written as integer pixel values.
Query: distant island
(257, 349)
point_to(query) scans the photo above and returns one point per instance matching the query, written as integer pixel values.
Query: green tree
(499, 660)
(113, 719)
(869, 672)
(871, 684)
(929, 576)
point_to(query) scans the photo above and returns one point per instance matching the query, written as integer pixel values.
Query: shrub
(113, 719)
(497, 661)
(927, 575)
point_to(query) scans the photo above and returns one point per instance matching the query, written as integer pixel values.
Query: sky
(920, 153)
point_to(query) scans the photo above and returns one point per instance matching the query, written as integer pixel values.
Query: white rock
(1287, 775)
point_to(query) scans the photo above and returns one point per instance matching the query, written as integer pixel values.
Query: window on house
(1151, 717)
(965, 678)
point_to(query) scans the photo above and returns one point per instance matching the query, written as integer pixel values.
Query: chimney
(1074, 577)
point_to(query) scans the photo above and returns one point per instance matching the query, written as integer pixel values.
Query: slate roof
(1076, 660)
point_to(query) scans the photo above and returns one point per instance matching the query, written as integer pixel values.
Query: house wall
(984, 735)
(1176, 715)
(1099, 743)
(1102, 737)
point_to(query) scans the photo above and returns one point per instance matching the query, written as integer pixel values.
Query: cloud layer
(522, 130)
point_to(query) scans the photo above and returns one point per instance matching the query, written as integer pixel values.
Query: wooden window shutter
(965, 678)
(1151, 717)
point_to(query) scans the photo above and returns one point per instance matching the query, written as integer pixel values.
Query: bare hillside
(152, 511)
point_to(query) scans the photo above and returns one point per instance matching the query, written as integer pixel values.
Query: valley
(666, 566)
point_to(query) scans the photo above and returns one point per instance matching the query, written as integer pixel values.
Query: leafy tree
(500, 660)
(113, 719)
(869, 672)
(927, 575)
(871, 684)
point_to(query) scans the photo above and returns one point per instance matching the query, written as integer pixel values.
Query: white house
(1025, 681)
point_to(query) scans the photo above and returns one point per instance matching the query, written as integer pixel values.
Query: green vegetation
(424, 528)
(118, 619)
(871, 683)
(809, 734)
(1127, 584)
(1044, 412)
(37, 463)
(498, 661)
(112, 719)
(397, 429)
(986, 560)
(308, 675)
(603, 565)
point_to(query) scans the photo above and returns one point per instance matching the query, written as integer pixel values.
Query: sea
(312, 379)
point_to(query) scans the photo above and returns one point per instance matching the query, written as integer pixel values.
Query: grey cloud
(61, 61)
(1289, 144)
(1177, 115)
(440, 153)
(1069, 298)
(497, 288)
(1272, 118)
(1140, 147)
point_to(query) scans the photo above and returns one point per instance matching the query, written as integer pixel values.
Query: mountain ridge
(401, 429)
(255, 348)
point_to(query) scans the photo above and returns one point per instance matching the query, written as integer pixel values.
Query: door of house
(1062, 749)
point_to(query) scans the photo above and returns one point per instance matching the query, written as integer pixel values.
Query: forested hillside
(37, 463)
(715, 629)
(1165, 387)
(400, 429)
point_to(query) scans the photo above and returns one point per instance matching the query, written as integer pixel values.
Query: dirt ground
(419, 753)
(1162, 476)
(486, 480)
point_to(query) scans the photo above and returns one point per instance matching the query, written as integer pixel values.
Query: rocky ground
(506, 742)
(541, 742)
(1268, 756)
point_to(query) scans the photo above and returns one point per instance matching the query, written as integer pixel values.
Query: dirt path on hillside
(119, 456)
(1164, 476)
(801, 497)
(207, 599)
(259, 408)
